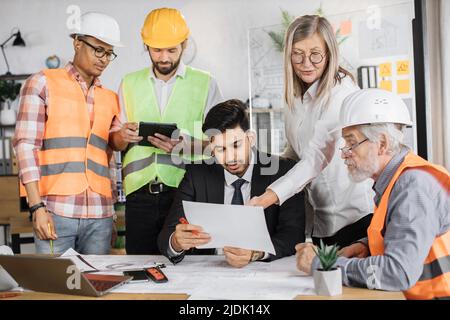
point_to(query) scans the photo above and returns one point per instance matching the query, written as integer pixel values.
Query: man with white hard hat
(166, 91)
(61, 142)
(408, 243)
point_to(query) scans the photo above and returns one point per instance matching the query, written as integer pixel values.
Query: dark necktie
(237, 196)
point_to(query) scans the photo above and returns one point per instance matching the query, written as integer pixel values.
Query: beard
(166, 69)
(236, 168)
(368, 168)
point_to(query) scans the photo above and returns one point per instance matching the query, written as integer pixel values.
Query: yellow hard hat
(164, 28)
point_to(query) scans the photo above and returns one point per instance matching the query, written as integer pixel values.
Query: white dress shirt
(245, 188)
(163, 90)
(314, 136)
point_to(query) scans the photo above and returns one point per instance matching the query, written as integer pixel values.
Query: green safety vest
(185, 107)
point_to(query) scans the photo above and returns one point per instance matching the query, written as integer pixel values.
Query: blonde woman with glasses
(315, 87)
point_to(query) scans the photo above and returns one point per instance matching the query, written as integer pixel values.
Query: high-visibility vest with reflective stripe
(435, 279)
(73, 156)
(185, 107)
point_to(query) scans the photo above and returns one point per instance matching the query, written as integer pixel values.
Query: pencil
(51, 241)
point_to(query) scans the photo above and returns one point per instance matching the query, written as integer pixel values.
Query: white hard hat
(369, 106)
(100, 26)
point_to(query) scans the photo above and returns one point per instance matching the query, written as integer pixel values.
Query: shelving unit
(14, 77)
(269, 126)
(12, 219)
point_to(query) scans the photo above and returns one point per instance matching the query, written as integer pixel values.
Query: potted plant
(328, 279)
(9, 91)
(286, 19)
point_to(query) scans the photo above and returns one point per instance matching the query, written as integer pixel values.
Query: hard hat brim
(357, 123)
(164, 44)
(105, 40)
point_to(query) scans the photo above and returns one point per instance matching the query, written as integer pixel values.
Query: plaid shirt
(28, 139)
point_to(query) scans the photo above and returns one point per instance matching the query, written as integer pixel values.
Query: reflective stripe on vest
(434, 283)
(98, 142)
(435, 268)
(74, 142)
(185, 107)
(66, 167)
(74, 167)
(162, 159)
(98, 168)
(74, 155)
(63, 143)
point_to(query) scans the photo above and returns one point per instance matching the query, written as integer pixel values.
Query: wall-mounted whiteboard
(379, 36)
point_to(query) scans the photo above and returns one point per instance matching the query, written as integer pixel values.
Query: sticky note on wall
(346, 27)
(386, 70)
(403, 87)
(386, 85)
(403, 67)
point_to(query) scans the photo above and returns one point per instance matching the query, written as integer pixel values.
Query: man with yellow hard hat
(166, 92)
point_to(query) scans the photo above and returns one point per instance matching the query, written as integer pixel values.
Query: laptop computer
(48, 274)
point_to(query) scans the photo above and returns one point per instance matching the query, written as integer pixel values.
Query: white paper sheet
(210, 277)
(107, 264)
(78, 260)
(255, 288)
(231, 225)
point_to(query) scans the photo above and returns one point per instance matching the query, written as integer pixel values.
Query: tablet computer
(147, 129)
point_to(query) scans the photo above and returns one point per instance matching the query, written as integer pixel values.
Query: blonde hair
(301, 28)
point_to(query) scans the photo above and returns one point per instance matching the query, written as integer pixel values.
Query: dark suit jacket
(205, 183)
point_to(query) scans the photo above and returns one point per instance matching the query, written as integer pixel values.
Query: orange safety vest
(435, 279)
(74, 156)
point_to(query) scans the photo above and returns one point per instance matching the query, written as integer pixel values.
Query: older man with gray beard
(408, 243)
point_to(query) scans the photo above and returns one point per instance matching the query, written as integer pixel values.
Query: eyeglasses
(314, 58)
(348, 150)
(100, 52)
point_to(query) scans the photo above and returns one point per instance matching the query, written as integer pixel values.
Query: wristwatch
(34, 208)
(256, 255)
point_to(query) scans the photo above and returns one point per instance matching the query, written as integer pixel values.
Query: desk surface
(214, 267)
(347, 294)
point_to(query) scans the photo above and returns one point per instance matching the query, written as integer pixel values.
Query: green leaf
(278, 40)
(286, 18)
(342, 40)
(327, 255)
(9, 89)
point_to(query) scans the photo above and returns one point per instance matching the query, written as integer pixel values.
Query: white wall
(219, 28)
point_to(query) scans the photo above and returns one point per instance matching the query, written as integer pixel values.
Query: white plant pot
(8, 117)
(7, 114)
(328, 283)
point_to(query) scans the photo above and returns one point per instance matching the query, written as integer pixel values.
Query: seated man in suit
(239, 173)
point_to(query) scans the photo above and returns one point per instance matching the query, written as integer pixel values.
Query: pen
(51, 241)
(184, 221)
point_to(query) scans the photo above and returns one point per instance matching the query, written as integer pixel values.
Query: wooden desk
(112, 296)
(358, 294)
(347, 294)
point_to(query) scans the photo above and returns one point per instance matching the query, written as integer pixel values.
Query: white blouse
(314, 136)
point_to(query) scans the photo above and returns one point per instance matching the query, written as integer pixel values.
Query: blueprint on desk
(210, 277)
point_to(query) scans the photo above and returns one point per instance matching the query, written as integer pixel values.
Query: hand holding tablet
(150, 129)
